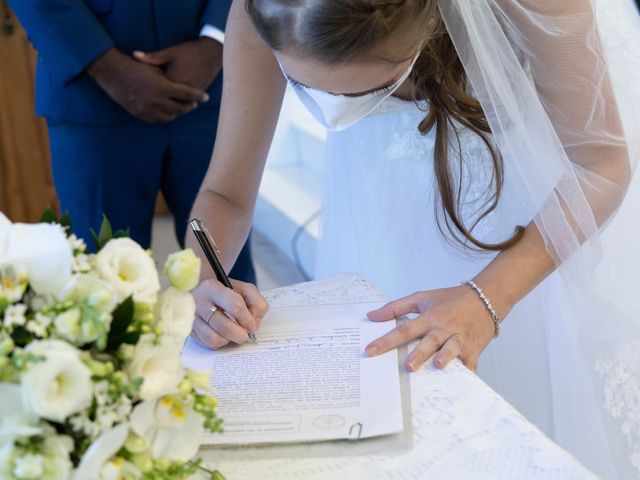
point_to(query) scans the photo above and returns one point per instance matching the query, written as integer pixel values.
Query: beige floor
(273, 268)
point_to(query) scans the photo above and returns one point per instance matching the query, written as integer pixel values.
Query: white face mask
(337, 112)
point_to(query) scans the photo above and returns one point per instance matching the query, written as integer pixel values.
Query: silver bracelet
(487, 304)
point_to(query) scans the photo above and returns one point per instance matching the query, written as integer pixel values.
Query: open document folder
(307, 379)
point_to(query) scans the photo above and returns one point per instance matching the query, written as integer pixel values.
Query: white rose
(129, 269)
(42, 250)
(158, 365)
(183, 270)
(100, 453)
(58, 386)
(171, 428)
(175, 312)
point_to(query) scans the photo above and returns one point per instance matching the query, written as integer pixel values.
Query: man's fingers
(176, 108)
(257, 304)
(450, 350)
(185, 93)
(152, 58)
(395, 309)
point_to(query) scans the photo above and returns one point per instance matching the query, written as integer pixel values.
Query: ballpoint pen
(209, 248)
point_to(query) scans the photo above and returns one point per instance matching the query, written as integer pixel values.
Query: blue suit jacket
(70, 34)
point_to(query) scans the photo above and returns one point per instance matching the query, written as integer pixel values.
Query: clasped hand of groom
(158, 87)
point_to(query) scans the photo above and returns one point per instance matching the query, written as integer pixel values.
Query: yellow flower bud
(199, 379)
(142, 461)
(135, 444)
(183, 270)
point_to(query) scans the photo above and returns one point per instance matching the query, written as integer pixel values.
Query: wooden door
(26, 183)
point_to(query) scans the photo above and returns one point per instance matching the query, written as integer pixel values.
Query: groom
(131, 93)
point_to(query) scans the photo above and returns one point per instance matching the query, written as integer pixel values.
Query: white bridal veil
(559, 81)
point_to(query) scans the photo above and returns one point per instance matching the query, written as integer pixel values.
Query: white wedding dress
(378, 219)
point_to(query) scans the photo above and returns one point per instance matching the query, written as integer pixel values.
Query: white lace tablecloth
(461, 428)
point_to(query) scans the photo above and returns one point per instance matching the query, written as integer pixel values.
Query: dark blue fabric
(104, 160)
(70, 34)
(118, 170)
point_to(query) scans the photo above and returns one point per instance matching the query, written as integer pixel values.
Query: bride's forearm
(252, 96)
(229, 224)
(516, 271)
(519, 269)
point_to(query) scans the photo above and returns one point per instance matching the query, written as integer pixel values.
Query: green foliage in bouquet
(90, 375)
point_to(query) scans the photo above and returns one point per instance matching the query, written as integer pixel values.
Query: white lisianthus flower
(15, 315)
(42, 250)
(101, 452)
(157, 364)
(129, 269)
(183, 270)
(175, 312)
(58, 386)
(171, 428)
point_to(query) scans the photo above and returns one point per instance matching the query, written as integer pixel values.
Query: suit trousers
(117, 170)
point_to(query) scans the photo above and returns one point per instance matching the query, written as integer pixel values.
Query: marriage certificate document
(307, 379)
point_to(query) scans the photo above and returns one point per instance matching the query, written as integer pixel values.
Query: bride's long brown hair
(338, 31)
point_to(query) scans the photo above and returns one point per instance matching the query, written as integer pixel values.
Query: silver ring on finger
(214, 309)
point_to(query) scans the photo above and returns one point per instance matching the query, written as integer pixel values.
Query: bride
(479, 155)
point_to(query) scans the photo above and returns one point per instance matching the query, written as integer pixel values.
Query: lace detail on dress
(622, 400)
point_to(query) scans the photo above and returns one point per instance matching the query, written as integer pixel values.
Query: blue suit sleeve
(215, 14)
(66, 33)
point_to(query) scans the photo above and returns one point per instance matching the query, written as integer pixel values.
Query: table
(461, 428)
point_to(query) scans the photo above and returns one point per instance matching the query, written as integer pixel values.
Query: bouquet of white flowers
(91, 385)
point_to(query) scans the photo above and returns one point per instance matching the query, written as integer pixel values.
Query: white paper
(308, 379)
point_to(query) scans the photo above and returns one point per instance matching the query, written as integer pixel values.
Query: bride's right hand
(244, 303)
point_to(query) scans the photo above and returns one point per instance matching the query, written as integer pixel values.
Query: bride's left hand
(452, 322)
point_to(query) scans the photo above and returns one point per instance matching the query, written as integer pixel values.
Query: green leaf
(121, 320)
(130, 337)
(216, 475)
(21, 336)
(48, 216)
(122, 233)
(65, 221)
(106, 233)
